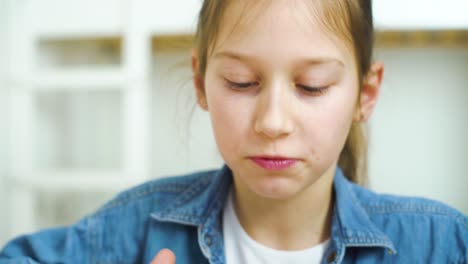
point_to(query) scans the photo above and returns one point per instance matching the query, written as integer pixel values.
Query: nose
(274, 113)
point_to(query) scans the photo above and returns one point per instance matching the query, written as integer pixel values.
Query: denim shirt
(184, 214)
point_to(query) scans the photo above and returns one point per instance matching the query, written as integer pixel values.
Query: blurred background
(96, 96)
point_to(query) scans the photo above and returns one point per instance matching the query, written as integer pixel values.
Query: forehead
(278, 28)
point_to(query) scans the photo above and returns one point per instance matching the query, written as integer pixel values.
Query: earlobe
(198, 82)
(370, 92)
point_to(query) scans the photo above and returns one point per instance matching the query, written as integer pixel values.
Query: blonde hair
(352, 21)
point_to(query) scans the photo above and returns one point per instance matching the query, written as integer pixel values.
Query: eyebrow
(306, 61)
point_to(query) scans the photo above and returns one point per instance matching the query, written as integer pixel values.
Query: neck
(296, 223)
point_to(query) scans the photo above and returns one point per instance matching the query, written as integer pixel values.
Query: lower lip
(274, 164)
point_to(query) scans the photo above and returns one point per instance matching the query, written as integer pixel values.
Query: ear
(369, 93)
(198, 82)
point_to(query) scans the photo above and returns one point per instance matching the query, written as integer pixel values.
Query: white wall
(181, 142)
(3, 123)
(418, 133)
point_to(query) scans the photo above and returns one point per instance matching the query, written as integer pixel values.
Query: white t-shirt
(240, 248)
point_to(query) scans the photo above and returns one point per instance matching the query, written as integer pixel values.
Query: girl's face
(282, 95)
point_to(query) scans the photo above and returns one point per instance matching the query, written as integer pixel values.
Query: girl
(287, 84)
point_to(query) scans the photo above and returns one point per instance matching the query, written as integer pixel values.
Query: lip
(274, 163)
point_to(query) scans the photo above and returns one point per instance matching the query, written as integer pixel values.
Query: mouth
(274, 163)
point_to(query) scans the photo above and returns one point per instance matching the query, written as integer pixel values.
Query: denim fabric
(184, 214)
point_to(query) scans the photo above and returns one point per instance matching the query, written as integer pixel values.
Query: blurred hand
(165, 256)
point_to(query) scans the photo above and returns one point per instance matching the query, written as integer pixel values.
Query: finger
(165, 256)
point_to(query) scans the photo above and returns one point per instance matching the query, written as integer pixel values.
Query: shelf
(78, 180)
(384, 39)
(422, 39)
(53, 53)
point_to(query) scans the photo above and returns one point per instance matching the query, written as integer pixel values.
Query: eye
(239, 85)
(313, 90)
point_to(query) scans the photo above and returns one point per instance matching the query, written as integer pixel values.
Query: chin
(277, 189)
(273, 185)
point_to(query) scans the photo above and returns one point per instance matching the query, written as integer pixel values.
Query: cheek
(229, 118)
(330, 124)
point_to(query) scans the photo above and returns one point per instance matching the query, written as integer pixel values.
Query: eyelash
(313, 90)
(239, 86)
(305, 88)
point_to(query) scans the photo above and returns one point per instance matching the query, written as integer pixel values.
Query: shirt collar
(204, 200)
(351, 222)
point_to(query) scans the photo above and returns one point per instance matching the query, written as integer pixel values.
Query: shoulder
(396, 205)
(417, 224)
(158, 192)
(124, 224)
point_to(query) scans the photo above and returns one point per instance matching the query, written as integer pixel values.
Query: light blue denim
(184, 214)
